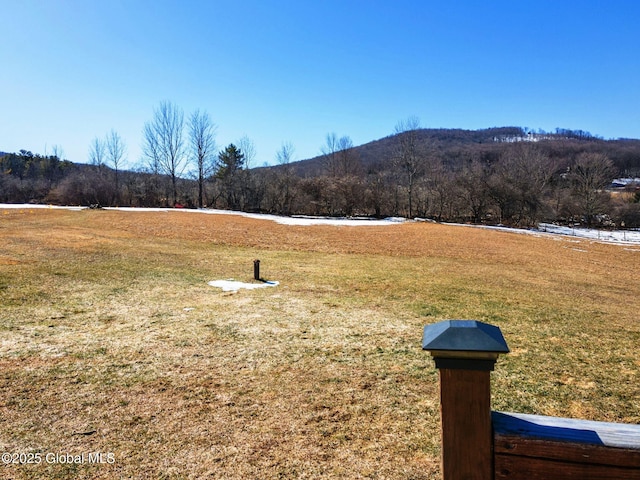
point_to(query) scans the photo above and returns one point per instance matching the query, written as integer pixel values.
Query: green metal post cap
(463, 344)
(464, 336)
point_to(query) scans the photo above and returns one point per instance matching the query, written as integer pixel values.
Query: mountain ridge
(454, 141)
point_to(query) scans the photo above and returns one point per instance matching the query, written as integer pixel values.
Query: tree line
(445, 175)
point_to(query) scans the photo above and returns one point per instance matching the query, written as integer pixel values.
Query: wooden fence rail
(478, 444)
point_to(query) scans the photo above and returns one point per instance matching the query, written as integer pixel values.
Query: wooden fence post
(465, 352)
(256, 269)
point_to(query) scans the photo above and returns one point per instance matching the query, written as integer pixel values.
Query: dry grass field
(112, 341)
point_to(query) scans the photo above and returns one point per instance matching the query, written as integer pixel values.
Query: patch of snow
(299, 220)
(296, 220)
(27, 206)
(234, 286)
(615, 237)
(621, 237)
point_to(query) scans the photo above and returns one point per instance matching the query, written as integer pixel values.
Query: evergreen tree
(230, 162)
(229, 171)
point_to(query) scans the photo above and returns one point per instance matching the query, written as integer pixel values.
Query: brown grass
(112, 341)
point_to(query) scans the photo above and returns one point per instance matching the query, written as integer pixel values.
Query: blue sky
(293, 71)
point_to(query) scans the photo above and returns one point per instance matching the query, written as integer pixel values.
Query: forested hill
(379, 151)
(503, 175)
(452, 144)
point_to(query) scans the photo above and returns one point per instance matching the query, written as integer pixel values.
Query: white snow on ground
(620, 237)
(233, 286)
(27, 206)
(617, 237)
(296, 220)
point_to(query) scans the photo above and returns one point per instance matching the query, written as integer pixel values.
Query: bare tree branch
(202, 133)
(163, 144)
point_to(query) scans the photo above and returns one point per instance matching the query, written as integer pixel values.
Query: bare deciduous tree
(330, 152)
(518, 184)
(163, 144)
(248, 148)
(285, 178)
(343, 169)
(97, 152)
(284, 155)
(250, 189)
(57, 152)
(589, 174)
(202, 133)
(473, 190)
(409, 156)
(116, 150)
(340, 159)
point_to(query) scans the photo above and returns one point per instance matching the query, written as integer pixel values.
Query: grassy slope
(111, 340)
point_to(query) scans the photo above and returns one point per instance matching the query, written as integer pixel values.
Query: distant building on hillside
(529, 137)
(625, 183)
